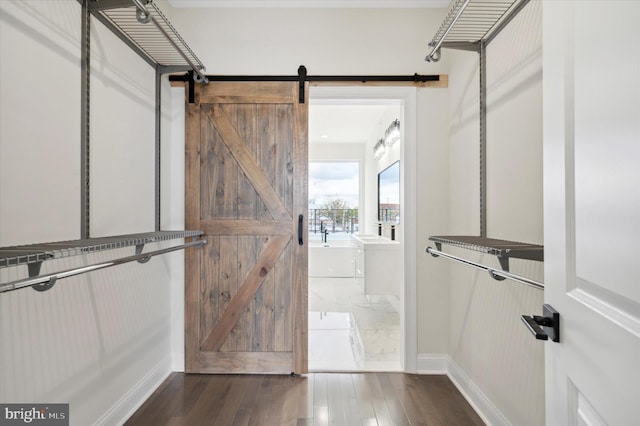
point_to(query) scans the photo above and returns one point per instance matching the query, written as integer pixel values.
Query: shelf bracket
(496, 276)
(45, 286)
(34, 271)
(504, 263)
(139, 248)
(34, 268)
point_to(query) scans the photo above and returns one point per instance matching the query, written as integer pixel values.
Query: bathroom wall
(488, 342)
(374, 167)
(98, 341)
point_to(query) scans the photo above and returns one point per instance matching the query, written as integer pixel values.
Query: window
(334, 195)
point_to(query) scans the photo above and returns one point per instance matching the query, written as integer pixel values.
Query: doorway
(351, 328)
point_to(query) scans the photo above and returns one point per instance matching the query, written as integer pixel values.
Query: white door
(592, 210)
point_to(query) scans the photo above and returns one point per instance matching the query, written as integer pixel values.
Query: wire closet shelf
(502, 249)
(469, 21)
(33, 255)
(142, 23)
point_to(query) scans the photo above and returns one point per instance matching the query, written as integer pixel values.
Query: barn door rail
(433, 80)
(34, 255)
(497, 274)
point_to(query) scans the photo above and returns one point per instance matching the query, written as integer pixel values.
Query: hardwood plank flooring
(342, 399)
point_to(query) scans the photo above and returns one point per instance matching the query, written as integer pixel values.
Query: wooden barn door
(246, 187)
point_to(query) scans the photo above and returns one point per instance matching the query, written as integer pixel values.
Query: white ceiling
(313, 3)
(346, 123)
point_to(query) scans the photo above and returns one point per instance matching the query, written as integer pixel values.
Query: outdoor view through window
(333, 199)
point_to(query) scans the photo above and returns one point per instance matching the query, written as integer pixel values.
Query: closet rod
(493, 272)
(47, 281)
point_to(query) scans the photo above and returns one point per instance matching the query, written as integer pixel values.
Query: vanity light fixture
(392, 135)
(379, 149)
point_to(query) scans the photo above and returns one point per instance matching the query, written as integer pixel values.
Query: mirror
(389, 194)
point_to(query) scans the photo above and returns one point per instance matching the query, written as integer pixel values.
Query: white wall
(327, 41)
(336, 152)
(514, 130)
(98, 341)
(39, 131)
(122, 145)
(487, 339)
(172, 209)
(432, 217)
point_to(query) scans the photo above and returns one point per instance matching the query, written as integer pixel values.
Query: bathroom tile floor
(349, 331)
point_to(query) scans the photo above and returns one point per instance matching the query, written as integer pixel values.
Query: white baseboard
(177, 362)
(136, 396)
(443, 364)
(432, 364)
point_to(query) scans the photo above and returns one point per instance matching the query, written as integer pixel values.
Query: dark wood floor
(313, 399)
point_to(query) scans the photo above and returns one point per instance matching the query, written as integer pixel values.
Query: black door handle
(300, 226)
(544, 327)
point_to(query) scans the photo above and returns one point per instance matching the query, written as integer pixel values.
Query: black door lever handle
(544, 327)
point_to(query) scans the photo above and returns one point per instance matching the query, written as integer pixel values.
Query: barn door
(246, 187)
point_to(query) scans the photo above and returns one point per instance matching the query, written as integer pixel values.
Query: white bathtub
(331, 259)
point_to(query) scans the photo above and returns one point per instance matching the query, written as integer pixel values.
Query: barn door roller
(302, 77)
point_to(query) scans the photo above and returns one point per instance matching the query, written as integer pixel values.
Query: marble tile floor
(349, 331)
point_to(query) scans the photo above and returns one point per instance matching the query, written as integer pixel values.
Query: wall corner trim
(127, 405)
(444, 364)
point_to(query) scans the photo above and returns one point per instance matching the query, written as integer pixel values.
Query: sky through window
(329, 181)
